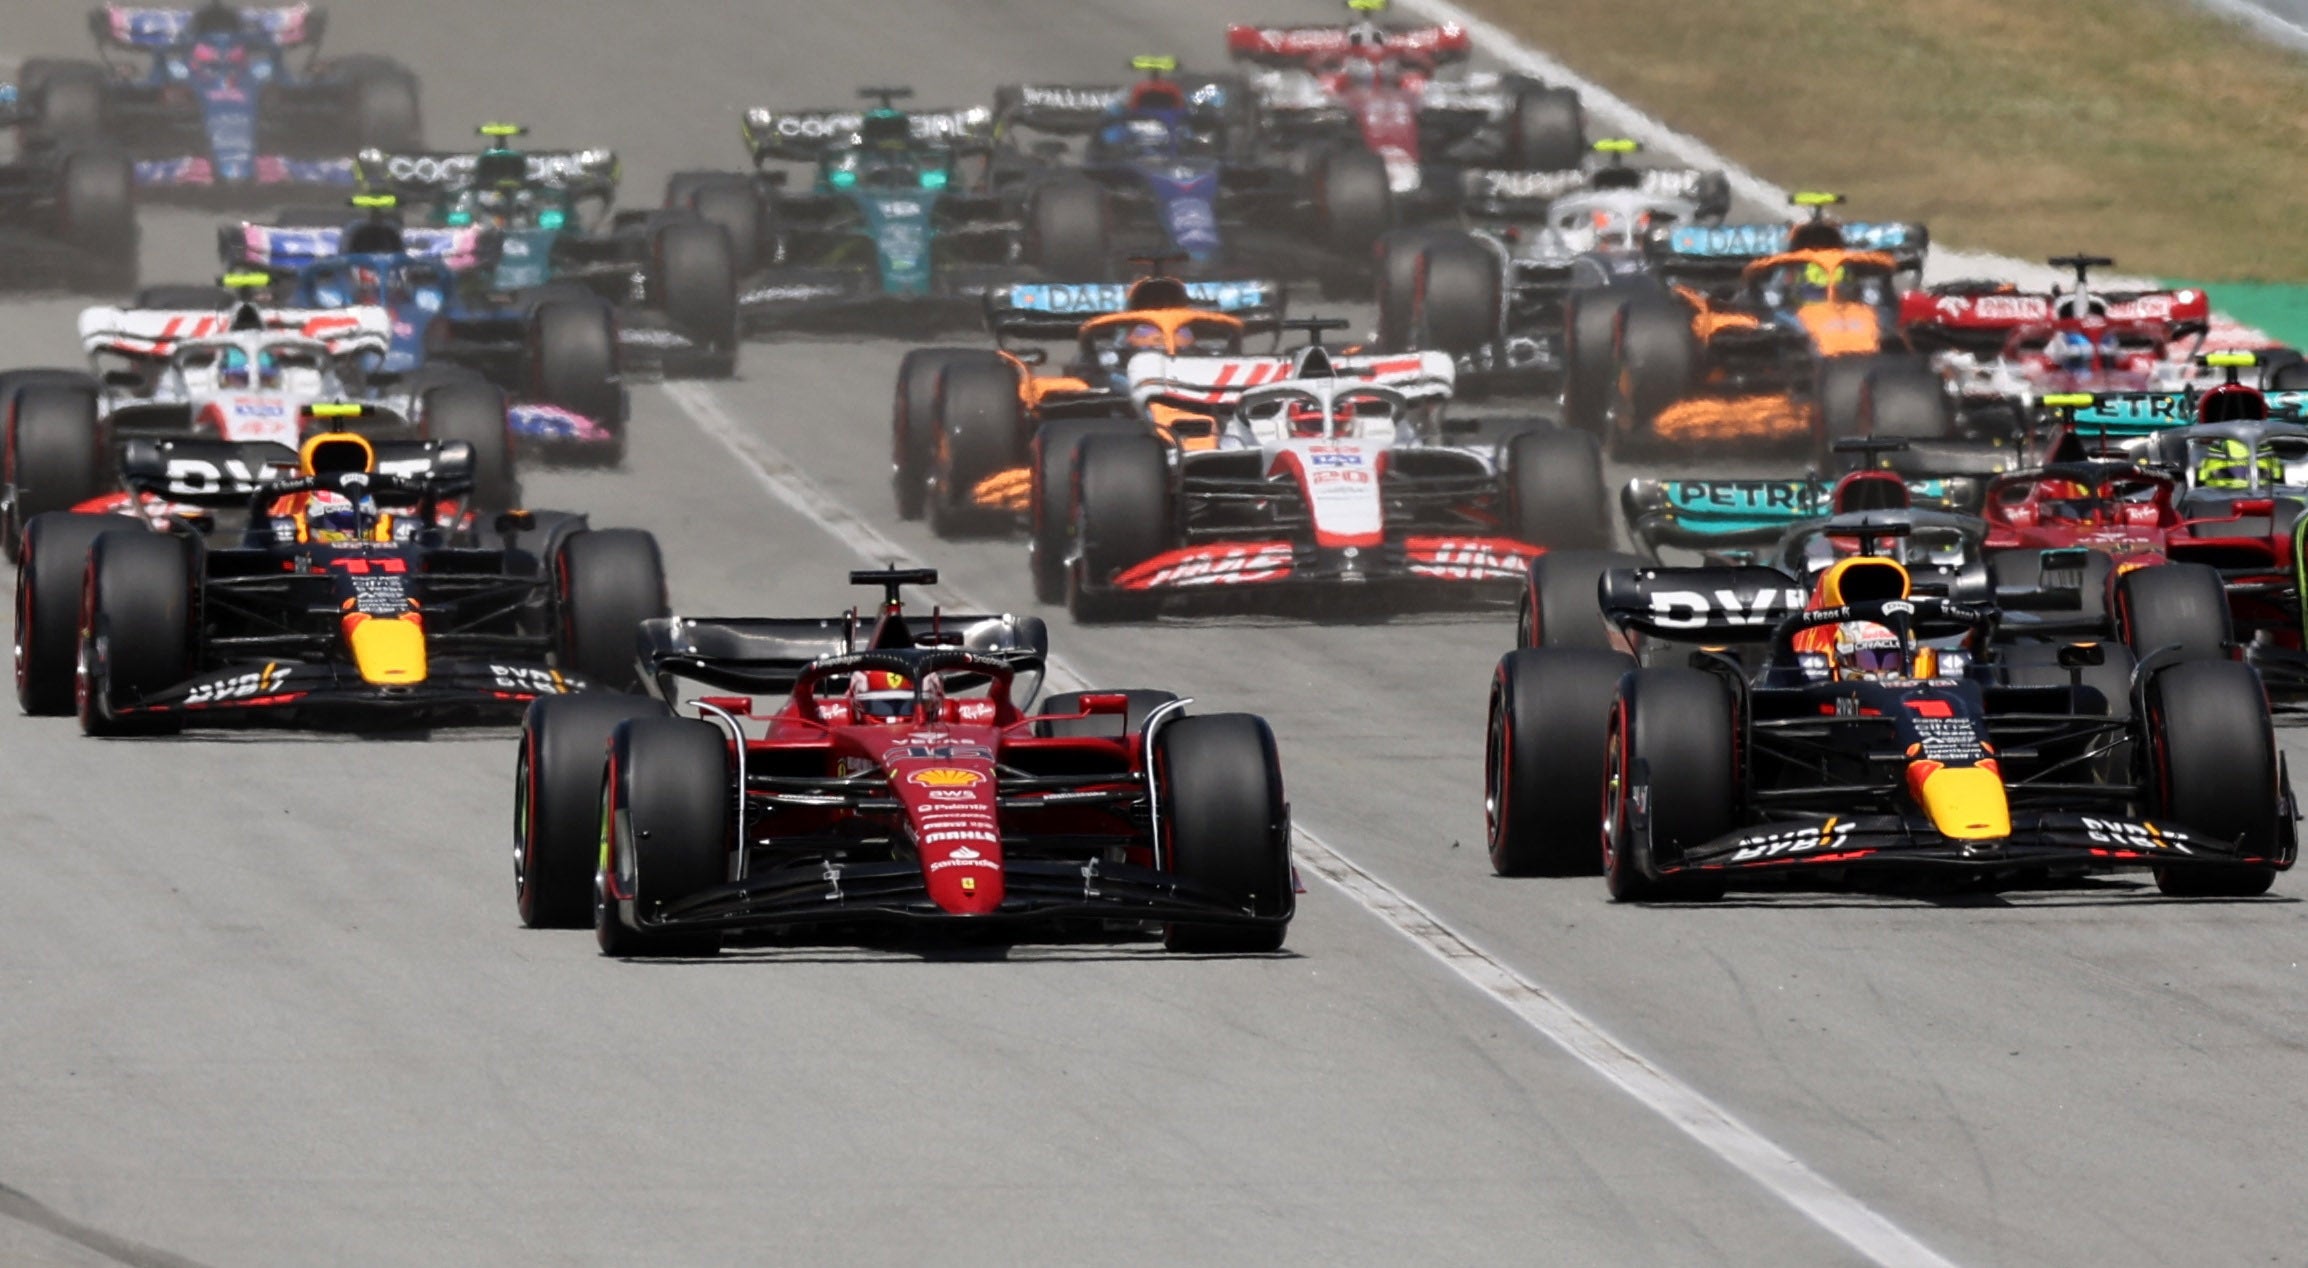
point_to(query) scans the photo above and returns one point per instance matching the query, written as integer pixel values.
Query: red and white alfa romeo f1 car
(1329, 469)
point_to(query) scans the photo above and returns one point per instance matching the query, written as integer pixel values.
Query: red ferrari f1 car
(902, 779)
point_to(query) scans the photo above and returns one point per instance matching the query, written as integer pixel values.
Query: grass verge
(2141, 129)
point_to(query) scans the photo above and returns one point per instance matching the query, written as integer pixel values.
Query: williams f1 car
(900, 779)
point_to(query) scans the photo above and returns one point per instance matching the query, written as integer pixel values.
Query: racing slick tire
(665, 814)
(474, 412)
(1904, 399)
(1225, 827)
(136, 629)
(2212, 759)
(1455, 288)
(2292, 376)
(1561, 600)
(1543, 759)
(382, 97)
(1555, 490)
(692, 278)
(1121, 508)
(1143, 702)
(1050, 525)
(606, 581)
(54, 455)
(726, 199)
(1067, 224)
(1676, 725)
(573, 361)
(1590, 360)
(1399, 254)
(1658, 358)
(96, 213)
(914, 425)
(1547, 131)
(557, 803)
(1842, 383)
(980, 434)
(49, 572)
(2174, 605)
(1353, 206)
(67, 99)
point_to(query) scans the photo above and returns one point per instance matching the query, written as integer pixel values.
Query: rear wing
(2181, 312)
(155, 332)
(770, 654)
(1419, 376)
(1301, 45)
(1066, 109)
(803, 136)
(224, 473)
(1056, 310)
(434, 173)
(157, 29)
(1702, 605)
(1528, 193)
(1726, 249)
(2124, 416)
(287, 248)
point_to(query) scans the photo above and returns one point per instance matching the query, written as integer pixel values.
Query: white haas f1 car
(1329, 469)
(239, 372)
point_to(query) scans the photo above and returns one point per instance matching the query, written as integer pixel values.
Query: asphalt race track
(266, 1000)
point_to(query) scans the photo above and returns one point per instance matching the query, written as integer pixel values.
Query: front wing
(293, 691)
(2042, 842)
(1411, 561)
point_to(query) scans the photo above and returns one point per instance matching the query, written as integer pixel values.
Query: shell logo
(946, 777)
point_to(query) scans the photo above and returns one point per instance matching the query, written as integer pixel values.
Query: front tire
(49, 575)
(693, 279)
(668, 796)
(2174, 605)
(573, 360)
(557, 803)
(1543, 759)
(2213, 764)
(1673, 728)
(136, 628)
(1226, 828)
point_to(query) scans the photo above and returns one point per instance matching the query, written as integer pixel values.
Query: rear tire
(1353, 205)
(49, 575)
(1067, 230)
(96, 213)
(1548, 131)
(980, 435)
(1590, 357)
(1562, 604)
(1658, 363)
(557, 803)
(1903, 400)
(55, 454)
(136, 628)
(606, 582)
(1555, 494)
(2174, 604)
(474, 412)
(693, 280)
(1226, 827)
(914, 425)
(2213, 757)
(726, 199)
(573, 360)
(1455, 296)
(67, 100)
(1399, 259)
(1122, 513)
(1677, 725)
(385, 114)
(1543, 759)
(668, 795)
(1056, 447)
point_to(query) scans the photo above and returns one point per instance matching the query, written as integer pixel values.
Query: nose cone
(950, 807)
(388, 651)
(1966, 803)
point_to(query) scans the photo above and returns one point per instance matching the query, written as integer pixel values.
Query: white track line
(2267, 23)
(1748, 1151)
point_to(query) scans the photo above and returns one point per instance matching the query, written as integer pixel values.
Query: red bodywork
(1384, 100)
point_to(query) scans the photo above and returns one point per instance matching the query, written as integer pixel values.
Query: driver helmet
(2071, 350)
(1867, 651)
(235, 369)
(1818, 280)
(1305, 417)
(334, 519)
(2227, 464)
(1366, 35)
(887, 130)
(1145, 336)
(880, 696)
